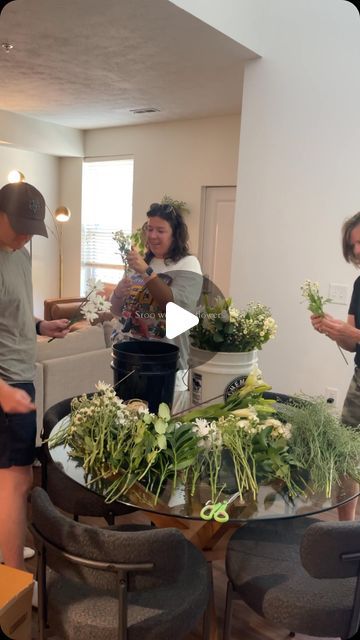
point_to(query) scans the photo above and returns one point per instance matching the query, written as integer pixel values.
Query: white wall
(33, 147)
(247, 27)
(298, 171)
(70, 189)
(176, 158)
(42, 171)
(33, 134)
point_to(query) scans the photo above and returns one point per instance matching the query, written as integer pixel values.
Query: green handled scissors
(217, 511)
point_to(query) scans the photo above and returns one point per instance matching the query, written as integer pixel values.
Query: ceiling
(85, 63)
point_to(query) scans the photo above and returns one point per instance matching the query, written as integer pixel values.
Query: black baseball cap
(24, 206)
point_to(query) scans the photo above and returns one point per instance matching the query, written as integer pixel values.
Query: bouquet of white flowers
(93, 304)
(222, 327)
(311, 292)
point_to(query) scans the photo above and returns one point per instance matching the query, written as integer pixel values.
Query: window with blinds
(107, 194)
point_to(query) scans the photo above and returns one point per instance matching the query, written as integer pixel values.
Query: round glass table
(186, 502)
(180, 506)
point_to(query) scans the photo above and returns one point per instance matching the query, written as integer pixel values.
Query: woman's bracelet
(147, 278)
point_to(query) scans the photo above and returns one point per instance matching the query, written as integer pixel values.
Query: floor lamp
(61, 215)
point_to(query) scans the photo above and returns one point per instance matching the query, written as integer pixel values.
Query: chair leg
(110, 518)
(228, 611)
(42, 598)
(209, 611)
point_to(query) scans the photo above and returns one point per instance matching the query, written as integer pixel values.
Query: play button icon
(178, 320)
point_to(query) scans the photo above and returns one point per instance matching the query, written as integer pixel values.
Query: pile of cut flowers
(124, 444)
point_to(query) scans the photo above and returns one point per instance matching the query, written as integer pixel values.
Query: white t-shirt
(141, 317)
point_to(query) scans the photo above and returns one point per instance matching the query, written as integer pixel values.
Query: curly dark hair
(179, 247)
(348, 226)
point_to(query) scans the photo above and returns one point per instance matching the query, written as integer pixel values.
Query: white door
(216, 235)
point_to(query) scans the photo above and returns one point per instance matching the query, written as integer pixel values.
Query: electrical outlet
(338, 293)
(331, 395)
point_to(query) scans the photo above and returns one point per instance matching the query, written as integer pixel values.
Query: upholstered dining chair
(64, 492)
(301, 574)
(100, 584)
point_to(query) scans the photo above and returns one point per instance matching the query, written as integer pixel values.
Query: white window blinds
(106, 207)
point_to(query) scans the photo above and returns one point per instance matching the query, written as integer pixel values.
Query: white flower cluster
(279, 430)
(252, 424)
(223, 327)
(234, 314)
(104, 404)
(270, 326)
(310, 288)
(247, 420)
(208, 433)
(256, 320)
(123, 241)
(94, 303)
(316, 302)
(231, 315)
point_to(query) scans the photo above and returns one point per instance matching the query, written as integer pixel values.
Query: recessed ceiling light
(7, 46)
(144, 110)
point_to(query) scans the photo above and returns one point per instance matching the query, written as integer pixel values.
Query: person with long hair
(347, 335)
(167, 273)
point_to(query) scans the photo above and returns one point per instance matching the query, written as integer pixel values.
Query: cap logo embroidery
(34, 206)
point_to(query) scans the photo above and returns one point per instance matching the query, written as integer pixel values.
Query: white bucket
(222, 375)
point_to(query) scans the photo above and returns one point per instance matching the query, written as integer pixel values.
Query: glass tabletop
(185, 501)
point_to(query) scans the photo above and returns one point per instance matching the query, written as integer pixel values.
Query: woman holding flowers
(167, 273)
(347, 335)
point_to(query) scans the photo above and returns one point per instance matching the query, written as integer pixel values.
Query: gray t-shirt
(17, 324)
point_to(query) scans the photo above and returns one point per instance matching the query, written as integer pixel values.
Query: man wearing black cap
(22, 214)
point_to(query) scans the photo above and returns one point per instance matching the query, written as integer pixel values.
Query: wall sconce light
(61, 214)
(16, 176)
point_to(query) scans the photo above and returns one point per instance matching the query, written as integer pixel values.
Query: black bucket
(154, 367)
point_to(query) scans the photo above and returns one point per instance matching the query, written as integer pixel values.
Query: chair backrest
(165, 549)
(54, 414)
(66, 493)
(331, 549)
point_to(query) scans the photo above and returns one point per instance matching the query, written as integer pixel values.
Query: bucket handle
(195, 406)
(186, 372)
(124, 378)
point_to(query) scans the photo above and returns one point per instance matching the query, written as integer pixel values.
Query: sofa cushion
(108, 329)
(76, 374)
(89, 339)
(65, 310)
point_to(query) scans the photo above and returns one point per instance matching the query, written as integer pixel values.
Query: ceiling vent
(144, 110)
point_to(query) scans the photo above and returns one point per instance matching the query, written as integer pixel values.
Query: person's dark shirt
(354, 310)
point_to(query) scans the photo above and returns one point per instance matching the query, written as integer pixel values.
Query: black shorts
(18, 434)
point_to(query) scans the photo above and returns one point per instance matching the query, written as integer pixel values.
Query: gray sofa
(72, 366)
